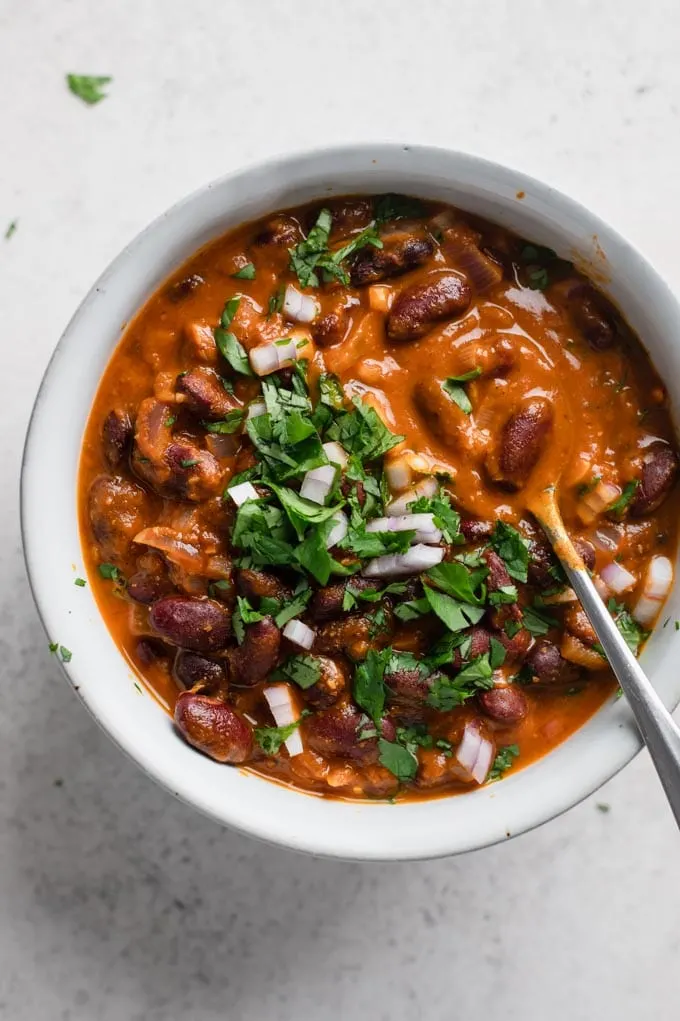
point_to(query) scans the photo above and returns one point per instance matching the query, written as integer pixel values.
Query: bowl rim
(616, 754)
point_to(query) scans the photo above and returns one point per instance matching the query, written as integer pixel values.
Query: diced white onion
(602, 496)
(418, 558)
(475, 752)
(422, 524)
(282, 706)
(244, 491)
(617, 578)
(297, 631)
(656, 584)
(317, 483)
(336, 454)
(339, 530)
(301, 308)
(256, 408)
(608, 538)
(428, 488)
(267, 358)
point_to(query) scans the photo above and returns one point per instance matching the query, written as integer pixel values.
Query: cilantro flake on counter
(88, 87)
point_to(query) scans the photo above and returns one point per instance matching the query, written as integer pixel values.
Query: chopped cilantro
(537, 622)
(270, 739)
(88, 87)
(111, 573)
(458, 581)
(503, 761)
(276, 300)
(188, 462)
(396, 207)
(302, 670)
(619, 506)
(313, 253)
(246, 272)
(446, 518)
(11, 229)
(496, 653)
(456, 391)
(80, 582)
(512, 548)
(630, 630)
(400, 761)
(362, 432)
(331, 392)
(228, 425)
(369, 685)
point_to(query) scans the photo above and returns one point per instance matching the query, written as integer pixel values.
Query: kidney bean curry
(304, 485)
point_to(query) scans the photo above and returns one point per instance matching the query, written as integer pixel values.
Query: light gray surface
(116, 902)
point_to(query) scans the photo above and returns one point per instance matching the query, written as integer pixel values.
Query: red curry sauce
(503, 369)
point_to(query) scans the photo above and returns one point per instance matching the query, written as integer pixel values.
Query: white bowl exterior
(98, 672)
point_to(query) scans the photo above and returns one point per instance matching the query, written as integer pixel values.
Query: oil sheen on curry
(304, 486)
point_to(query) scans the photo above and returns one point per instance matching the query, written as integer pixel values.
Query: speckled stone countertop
(116, 902)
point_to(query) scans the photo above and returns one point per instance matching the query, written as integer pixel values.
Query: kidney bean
(260, 585)
(548, 666)
(442, 416)
(586, 551)
(479, 645)
(196, 474)
(351, 214)
(475, 532)
(507, 705)
(331, 328)
(192, 622)
(576, 621)
(205, 395)
(326, 603)
(522, 441)
(149, 650)
(181, 290)
(117, 435)
(282, 231)
(146, 588)
(353, 635)
(418, 308)
(191, 669)
(498, 576)
(659, 471)
(398, 256)
(593, 317)
(257, 657)
(408, 688)
(117, 510)
(214, 727)
(336, 733)
(517, 646)
(330, 686)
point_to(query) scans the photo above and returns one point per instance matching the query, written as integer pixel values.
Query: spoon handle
(660, 733)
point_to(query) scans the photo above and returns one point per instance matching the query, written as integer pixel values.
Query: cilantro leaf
(362, 432)
(375, 544)
(331, 392)
(619, 506)
(232, 351)
(512, 548)
(456, 391)
(503, 761)
(302, 512)
(369, 685)
(302, 670)
(88, 87)
(400, 761)
(632, 633)
(270, 739)
(228, 425)
(246, 272)
(293, 607)
(458, 581)
(496, 653)
(313, 555)
(446, 518)
(537, 622)
(396, 207)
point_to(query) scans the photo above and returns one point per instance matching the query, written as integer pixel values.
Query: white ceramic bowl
(98, 672)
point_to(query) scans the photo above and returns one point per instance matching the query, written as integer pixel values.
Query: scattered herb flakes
(246, 272)
(231, 423)
(503, 762)
(188, 462)
(620, 505)
(513, 549)
(170, 421)
(270, 739)
(303, 670)
(111, 573)
(64, 654)
(369, 686)
(87, 87)
(276, 300)
(313, 256)
(453, 386)
(138, 687)
(603, 807)
(11, 229)
(632, 633)
(53, 646)
(80, 582)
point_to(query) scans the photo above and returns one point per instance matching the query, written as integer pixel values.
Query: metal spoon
(660, 733)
